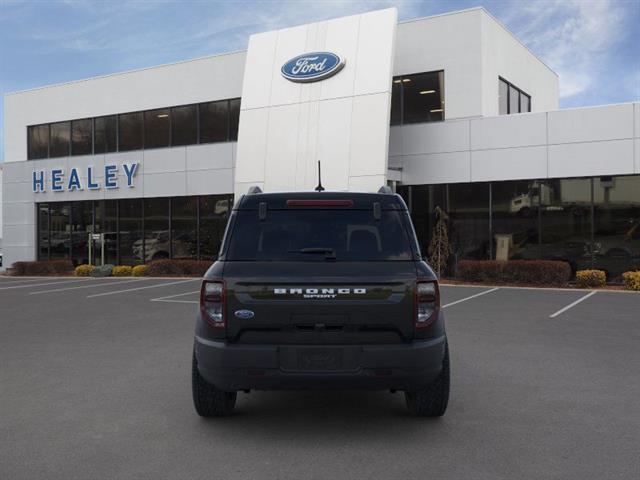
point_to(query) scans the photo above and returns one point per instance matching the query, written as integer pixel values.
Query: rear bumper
(233, 367)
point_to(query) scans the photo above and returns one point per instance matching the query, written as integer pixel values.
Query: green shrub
(84, 270)
(122, 271)
(140, 270)
(102, 271)
(178, 268)
(631, 280)
(591, 278)
(529, 272)
(46, 267)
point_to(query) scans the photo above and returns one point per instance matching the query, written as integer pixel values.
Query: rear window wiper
(329, 252)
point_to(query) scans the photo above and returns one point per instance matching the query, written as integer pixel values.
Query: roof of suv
(359, 200)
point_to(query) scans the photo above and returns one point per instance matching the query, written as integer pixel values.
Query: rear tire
(208, 400)
(432, 401)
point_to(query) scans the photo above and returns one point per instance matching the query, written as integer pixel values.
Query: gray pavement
(99, 387)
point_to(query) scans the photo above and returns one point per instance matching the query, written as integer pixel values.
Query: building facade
(451, 110)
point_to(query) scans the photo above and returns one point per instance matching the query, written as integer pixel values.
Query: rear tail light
(212, 303)
(427, 303)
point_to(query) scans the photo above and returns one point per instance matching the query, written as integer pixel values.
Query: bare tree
(440, 248)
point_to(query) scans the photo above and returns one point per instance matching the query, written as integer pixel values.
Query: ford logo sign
(312, 67)
(244, 314)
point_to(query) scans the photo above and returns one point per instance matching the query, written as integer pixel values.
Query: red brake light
(319, 203)
(212, 302)
(427, 302)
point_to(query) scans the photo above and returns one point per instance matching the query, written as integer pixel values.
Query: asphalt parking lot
(95, 383)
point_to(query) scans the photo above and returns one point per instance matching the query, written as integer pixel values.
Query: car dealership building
(452, 111)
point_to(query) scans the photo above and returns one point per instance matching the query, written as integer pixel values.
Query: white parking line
(143, 288)
(166, 299)
(472, 296)
(43, 284)
(571, 305)
(109, 283)
(18, 281)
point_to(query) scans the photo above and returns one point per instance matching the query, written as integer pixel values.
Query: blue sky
(594, 45)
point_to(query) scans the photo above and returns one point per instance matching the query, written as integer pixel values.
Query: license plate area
(319, 359)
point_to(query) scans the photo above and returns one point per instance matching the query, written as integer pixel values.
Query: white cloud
(573, 36)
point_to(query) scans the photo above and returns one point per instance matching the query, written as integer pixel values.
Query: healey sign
(57, 181)
(312, 67)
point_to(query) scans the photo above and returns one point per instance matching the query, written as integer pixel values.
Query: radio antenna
(319, 188)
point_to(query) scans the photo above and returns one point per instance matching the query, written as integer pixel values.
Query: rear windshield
(319, 235)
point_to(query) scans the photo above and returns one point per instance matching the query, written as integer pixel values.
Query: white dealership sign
(320, 91)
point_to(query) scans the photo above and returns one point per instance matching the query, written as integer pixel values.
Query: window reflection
(177, 126)
(214, 121)
(81, 227)
(213, 218)
(131, 239)
(511, 99)
(38, 141)
(82, 137)
(105, 134)
(617, 224)
(43, 231)
(60, 237)
(184, 227)
(503, 97)
(135, 230)
(234, 118)
(157, 243)
(59, 139)
(130, 131)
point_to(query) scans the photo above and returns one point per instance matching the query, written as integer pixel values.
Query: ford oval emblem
(244, 314)
(311, 67)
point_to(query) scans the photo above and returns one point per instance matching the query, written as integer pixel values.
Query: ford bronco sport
(320, 290)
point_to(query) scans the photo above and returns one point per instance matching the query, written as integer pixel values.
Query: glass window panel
(213, 219)
(43, 231)
(234, 118)
(515, 213)
(184, 227)
(131, 240)
(60, 239)
(396, 101)
(469, 220)
(157, 124)
(81, 227)
(59, 140)
(105, 134)
(422, 97)
(503, 97)
(617, 224)
(106, 222)
(130, 131)
(38, 141)
(565, 212)
(81, 137)
(514, 100)
(184, 125)
(525, 102)
(214, 121)
(156, 229)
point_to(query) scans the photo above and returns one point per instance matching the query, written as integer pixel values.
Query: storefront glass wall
(588, 222)
(135, 230)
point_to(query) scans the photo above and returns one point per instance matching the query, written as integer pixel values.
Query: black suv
(320, 290)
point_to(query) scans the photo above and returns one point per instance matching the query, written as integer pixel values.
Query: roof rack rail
(385, 190)
(253, 190)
